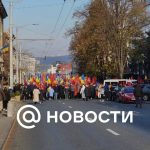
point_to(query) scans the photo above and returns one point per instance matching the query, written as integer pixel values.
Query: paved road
(84, 136)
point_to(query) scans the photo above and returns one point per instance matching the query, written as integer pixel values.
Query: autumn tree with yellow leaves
(103, 34)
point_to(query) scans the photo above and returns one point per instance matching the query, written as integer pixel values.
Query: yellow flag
(5, 49)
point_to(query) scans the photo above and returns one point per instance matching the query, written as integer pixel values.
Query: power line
(63, 24)
(34, 39)
(58, 17)
(30, 30)
(36, 6)
(66, 18)
(45, 50)
(55, 26)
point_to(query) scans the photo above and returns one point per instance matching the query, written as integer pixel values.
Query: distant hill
(45, 62)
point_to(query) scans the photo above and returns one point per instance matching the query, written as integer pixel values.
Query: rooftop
(3, 12)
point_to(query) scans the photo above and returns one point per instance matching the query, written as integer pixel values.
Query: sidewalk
(6, 124)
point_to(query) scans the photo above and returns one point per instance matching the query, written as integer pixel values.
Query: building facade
(27, 66)
(3, 15)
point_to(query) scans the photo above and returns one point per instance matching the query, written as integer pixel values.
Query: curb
(4, 146)
(10, 131)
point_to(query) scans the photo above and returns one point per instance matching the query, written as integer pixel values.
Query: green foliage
(141, 52)
(17, 93)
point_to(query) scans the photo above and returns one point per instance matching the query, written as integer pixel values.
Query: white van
(132, 81)
(115, 82)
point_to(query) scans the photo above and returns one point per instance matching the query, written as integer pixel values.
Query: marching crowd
(65, 90)
(69, 91)
(61, 91)
(84, 91)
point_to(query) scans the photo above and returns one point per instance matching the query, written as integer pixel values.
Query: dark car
(126, 95)
(146, 92)
(116, 91)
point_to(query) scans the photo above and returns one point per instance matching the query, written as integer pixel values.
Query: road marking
(69, 106)
(63, 103)
(136, 112)
(113, 132)
(102, 101)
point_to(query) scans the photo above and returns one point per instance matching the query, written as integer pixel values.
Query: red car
(126, 95)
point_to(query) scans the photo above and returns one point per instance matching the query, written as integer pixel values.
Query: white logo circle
(28, 112)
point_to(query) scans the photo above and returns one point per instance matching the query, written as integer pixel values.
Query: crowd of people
(66, 90)
(78, 87)
(77, 91)
(60, 91)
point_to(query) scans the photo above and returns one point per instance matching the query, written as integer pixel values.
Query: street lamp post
(17, 59)
(11, 44)
(20, 59)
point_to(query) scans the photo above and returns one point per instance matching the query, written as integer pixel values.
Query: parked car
(146, 92)
(116, 91)
(126, 95)
(142, 85)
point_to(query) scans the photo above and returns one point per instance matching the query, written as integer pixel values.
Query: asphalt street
(84, 136)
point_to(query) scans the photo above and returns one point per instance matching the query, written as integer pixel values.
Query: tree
(141, 53)
(102, 37)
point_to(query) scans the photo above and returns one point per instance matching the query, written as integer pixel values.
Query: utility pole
(11, 43)
(17, 57)
(18, 49)
(20, 65)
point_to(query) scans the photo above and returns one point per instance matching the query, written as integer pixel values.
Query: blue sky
(45, 13)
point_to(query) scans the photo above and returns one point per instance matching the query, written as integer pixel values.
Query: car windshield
(128, 90)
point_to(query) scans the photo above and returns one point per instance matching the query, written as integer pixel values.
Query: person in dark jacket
(93, 91)
(110, 92)
(61, 91)
(71, 91)
(87, 92)
(138, 95)
(42, 95)
(106, 91)
(6, 98)
(56, 91)
(24, 93)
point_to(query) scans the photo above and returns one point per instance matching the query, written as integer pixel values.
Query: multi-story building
(64, 69)
(52, 70)
(27, 66)
(3, 15)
